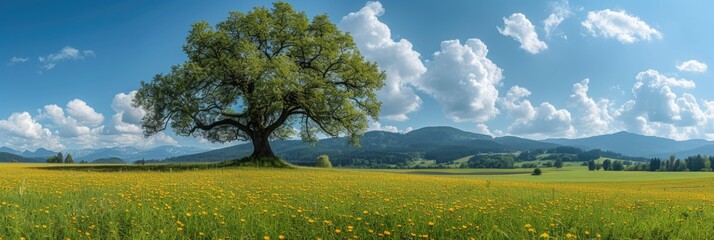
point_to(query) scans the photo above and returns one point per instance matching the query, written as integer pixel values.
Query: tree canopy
(262, 75)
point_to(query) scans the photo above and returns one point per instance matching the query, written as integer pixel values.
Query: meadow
(307, 203)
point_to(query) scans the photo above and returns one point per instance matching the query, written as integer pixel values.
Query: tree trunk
(263, 155)
(261, 147)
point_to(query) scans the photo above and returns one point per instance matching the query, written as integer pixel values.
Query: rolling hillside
(442, 144)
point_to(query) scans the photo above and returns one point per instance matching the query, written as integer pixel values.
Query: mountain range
(445, 144)
(638, 145)
(127, 154)
(442, 144)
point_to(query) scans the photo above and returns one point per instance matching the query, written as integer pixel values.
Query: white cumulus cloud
(692, 66)
(547, 121)
(620, 25)
(127, 118)
(592, 117)
(535, 122)
(126, 125)
(21, 131)
(521, 29)
(376, 126)
(397, 58)
(657, 110)
(483, 129)
(84, 114)
(463, 81)
(516, 105)
(23, 125)
(66, 126)
(78, 125)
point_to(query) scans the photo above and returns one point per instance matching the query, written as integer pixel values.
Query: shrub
(323, 161)
(536, 172)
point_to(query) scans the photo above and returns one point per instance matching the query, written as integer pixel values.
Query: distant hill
(442, 144)
(9, 157)
(522, 144)
(133, 153)
(633, 144)
(10, 150)
(703, 150)
(111, 160)
(441, 135)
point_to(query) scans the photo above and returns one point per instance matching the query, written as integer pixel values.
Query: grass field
(304, 203)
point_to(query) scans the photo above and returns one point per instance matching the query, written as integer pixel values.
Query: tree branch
(200, 125)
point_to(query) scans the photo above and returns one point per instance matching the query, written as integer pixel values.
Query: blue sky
(68, 68)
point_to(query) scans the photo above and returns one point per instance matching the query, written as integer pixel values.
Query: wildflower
(544, 235)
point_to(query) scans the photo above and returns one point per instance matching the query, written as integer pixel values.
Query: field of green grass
(567, 174)
(308, 203)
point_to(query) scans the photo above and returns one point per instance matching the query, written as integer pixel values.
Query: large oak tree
(262, 75)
